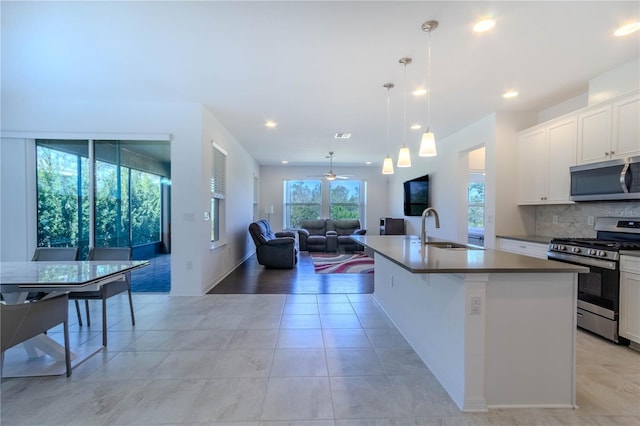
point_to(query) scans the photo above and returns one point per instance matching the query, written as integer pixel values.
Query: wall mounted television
(416, 195)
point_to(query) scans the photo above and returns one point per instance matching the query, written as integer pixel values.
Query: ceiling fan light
(330, 177)
(404, 157)
(428, 145)
(387, 166)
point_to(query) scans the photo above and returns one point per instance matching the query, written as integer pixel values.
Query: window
(303, 200)
(62, 179)
(146, 205)
(475, 206)
(218, 191)
(126, 200)
(111, 205)
(345, 201)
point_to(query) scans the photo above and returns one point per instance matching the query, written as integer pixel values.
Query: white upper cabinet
(625, 141)
(609, 130)
(545, 154)
(594, 134)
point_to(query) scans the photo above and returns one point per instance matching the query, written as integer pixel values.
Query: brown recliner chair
(274, 250)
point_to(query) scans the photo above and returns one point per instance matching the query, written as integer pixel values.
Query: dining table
(42, 355)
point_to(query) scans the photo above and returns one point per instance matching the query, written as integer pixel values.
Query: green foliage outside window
(476, 205)
(304, 198)
(344, 200)
(112, 206)
(145, 207)
(127, 201)
(63, 205)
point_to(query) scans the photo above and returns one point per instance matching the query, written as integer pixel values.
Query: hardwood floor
(252, 278)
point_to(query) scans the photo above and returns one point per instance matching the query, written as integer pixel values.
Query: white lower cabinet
(525, 248)
(630, 298)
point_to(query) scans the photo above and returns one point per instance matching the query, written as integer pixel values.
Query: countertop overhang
(408, 252)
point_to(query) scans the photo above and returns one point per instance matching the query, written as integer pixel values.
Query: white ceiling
(316, 68)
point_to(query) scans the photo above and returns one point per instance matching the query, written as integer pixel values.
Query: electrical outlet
(590, 220)
(475, 306)
(555, 219)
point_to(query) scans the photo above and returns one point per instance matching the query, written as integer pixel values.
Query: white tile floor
(314, 360)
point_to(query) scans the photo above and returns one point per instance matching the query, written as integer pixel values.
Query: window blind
(218, 173)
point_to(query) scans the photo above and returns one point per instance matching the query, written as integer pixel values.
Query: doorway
(476, 197)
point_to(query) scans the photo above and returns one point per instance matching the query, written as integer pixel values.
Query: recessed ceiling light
(419, 92)
(342, 135)
(284, 162)
(270, 124)
(484, 25)
(627, 29)
(416, 127)
(367, 162)
(510, 94)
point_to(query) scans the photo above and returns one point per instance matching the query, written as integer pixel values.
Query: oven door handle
(584, 261)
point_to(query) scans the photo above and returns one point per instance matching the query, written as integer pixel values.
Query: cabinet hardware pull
(579, 315)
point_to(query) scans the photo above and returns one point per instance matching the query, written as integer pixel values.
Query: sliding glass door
(120, 207)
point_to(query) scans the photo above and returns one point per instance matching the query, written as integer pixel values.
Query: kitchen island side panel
(514, 348)
(428, 309)
(530, 340)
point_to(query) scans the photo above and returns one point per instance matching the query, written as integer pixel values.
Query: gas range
(613, 235)
(598, 302)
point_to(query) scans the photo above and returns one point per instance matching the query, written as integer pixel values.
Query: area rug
(342, 263)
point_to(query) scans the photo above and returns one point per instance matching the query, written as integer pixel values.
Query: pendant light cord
(404, 120)
(429, 83)
(389, 86)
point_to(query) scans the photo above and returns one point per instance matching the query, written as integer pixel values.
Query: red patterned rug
(346, 263)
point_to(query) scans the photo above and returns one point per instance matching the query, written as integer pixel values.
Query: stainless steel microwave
(606, 180)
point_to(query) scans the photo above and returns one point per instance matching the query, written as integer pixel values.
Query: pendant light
(404, 157)
(387, 165)
(428, 142)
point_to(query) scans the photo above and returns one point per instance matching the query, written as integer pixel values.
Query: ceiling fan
(330, 175)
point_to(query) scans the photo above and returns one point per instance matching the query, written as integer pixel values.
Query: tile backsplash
(576, 220)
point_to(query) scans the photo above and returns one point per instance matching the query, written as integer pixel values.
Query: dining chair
(51, 254)
(107, 290)
(23, 321)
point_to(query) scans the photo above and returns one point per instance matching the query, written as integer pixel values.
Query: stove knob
(593, 252)
(563, 248)
(602, 253)
(576, 250)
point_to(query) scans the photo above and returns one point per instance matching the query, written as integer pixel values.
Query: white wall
(448, 179)
(615, 82)
(241, 169)
(194, 268)
(17, 191)
(271, 191)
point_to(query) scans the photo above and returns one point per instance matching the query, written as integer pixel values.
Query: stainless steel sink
(447, 245)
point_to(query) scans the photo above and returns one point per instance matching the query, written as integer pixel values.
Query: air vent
(343, 135)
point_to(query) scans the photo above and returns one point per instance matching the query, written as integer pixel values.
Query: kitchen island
(496, 329)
